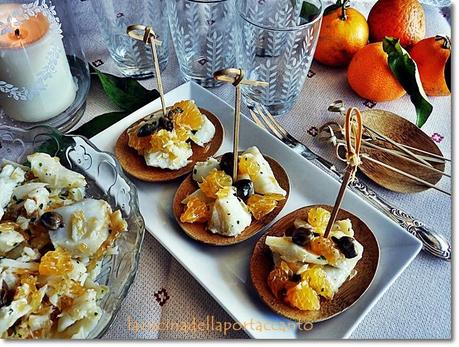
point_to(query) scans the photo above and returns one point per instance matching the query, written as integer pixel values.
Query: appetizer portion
(165, 141)
(227, 207)
(308, 266)
(52, 243)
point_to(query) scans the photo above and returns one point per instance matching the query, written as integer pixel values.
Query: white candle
(35, 79)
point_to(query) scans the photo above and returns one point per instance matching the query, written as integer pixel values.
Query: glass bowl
(107, 181)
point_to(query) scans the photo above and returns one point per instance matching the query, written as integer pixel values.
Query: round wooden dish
(402, 131)
(261, 265)
(199, 232)
(134, 164)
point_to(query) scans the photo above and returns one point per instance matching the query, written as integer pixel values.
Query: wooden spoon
(134, 164)
(199, 232)
(261, 265)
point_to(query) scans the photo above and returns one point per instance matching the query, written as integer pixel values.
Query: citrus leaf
(126, 93)
(99, 123)
(406, 71)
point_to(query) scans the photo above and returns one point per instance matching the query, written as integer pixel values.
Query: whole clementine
(402, 19)
(370, 77)
(431, 55)
(344, 31)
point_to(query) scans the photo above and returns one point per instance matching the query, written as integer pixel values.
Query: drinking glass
(203, 32)
(133, 58)
(276, 44)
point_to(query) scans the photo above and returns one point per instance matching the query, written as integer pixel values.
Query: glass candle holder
(44, 78)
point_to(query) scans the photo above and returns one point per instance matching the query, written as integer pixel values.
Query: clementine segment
(431, 55)
(402, 19)
(370, 77)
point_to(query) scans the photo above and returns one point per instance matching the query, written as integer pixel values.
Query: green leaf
(56, 145)
(99, 123)
(406, 71)
(339, 4)
(126, 93)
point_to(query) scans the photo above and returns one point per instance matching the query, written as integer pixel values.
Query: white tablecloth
(417, 306)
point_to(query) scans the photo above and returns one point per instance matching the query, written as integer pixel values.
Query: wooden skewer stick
(353, 160)
(236, 78)
(403, 173)
(394, 153)
(149, 37)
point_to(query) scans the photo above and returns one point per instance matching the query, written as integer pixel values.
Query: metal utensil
(433, 242)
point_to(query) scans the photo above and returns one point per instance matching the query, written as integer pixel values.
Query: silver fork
(433, 242)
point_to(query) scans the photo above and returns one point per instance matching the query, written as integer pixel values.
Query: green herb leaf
(126, 93)
(99, 123)
(406, 71)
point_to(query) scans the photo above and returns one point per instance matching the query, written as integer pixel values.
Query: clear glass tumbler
(133, 58)
(276, 44)
(203, 32)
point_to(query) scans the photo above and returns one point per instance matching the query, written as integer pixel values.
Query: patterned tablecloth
(418, 305)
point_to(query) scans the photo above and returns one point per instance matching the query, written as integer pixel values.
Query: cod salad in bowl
(68, 245)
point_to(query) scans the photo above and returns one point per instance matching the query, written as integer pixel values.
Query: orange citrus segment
(190, 117)
(248, 166)
(318, 280)
(196, 212)
(58, 262)
(326, 248)
(303, 297)
(261, 205)
(318, 218)
(215, 181)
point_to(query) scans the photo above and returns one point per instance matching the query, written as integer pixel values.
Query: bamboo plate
(134, 164)
(402, 131)
(199, 232)
(261, 265)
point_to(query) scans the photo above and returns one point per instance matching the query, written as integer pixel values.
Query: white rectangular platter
(223, 272)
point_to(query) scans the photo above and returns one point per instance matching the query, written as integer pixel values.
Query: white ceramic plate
(223, 272)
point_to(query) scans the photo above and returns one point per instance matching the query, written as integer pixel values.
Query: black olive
(302, 236)
(244, 189)
(346, 245)
(296, 278)
(173, 111)
(52, 220)
(147, 129)
(165, 123)
(227, 164)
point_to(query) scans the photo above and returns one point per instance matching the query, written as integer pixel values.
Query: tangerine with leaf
(344, 31)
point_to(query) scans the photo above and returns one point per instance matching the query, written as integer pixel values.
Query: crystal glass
(44, 77)
(106, 180)
(203, 32)
(276, 44)
(133, 58)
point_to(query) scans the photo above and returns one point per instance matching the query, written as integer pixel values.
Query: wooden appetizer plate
(402, 131)
(199, 232)
(261, 265)
(134, 164)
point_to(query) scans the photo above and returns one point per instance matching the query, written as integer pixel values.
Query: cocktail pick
(352, 158)
(236, 78)
(147, 35)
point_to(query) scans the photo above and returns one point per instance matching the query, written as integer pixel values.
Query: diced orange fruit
(58, 262)
(191, 118)
(318, 218)
(326, 248)
(318, 280)
(279, 280)
(224, 192)
(215, 181)
(140, 144)
(196, 212)
(303, 297)
(261, 205)
(248, 166)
